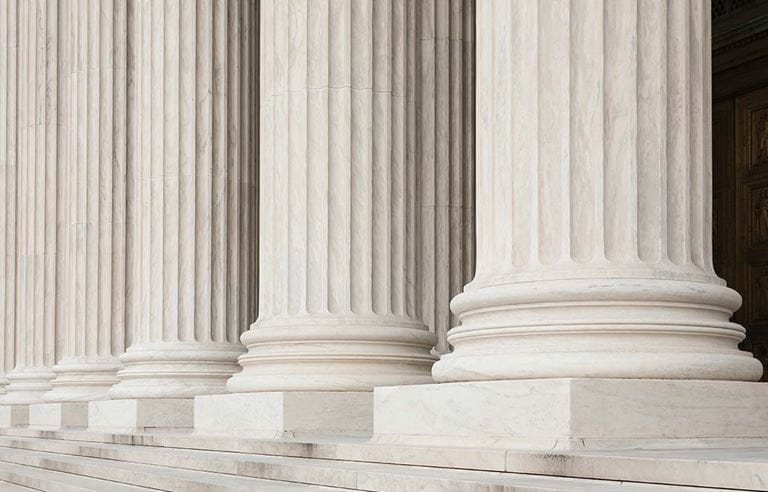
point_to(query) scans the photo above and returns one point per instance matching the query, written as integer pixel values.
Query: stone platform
(568, 413)
(284, 413)
(82, 460)
(54, 416)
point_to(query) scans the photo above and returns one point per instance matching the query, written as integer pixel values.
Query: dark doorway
(740, 160)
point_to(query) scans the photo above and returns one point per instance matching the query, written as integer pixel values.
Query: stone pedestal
(278, 414)
(14, 415)
(573, 413)
(54, 416)
(140, 415)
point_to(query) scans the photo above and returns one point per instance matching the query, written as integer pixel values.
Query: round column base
(81, 379)
(334, 354)
(175, 370)
(597, 328)
(27, 386)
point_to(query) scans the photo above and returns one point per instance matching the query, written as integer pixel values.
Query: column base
(55, 416)
(603, 327)
(278, 414)
(134, 415)
(27, 386)
(175, 370)
(573, 413)
(333, 353)
(83, 380)
(14, 416)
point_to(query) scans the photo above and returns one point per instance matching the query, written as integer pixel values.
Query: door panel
(751, 192)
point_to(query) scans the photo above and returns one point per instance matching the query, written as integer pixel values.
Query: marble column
(191, 195)
(37, 181)
(441, 114)
(594, 198)
(335, 308)
(93, 321)
(8, 74)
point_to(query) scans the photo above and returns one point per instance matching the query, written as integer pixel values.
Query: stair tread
(335, 473)
(12, 487)
(55, 480)
(146, 475)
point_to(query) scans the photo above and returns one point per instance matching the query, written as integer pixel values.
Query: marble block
(285, 413)
(572, 413)
(139, 415)
(14, 415)
(53, 416)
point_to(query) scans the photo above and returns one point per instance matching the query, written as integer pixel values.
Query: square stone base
(573, 413)
(285, 414)
(54, 416)
(14, 415)
(140, 415)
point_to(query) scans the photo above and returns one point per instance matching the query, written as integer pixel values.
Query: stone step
(25, 478)
(12, 487)
(320, 472)
(142, 476)
(735, 465)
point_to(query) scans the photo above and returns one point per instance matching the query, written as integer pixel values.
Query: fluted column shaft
(191, 195)
(441, 105)
(93, 321)
(37, 181)
(335, 310)
(594, 198)
(8, 124)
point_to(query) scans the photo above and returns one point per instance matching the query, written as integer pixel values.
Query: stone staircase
(84, 461)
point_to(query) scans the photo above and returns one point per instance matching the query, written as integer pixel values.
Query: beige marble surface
(276, 414)
(377, 466)
(140, 415)
(572, 413)
(55, 416)
(14, 415)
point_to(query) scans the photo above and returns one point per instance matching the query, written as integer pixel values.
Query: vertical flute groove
(8, 155)
(442, 158)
